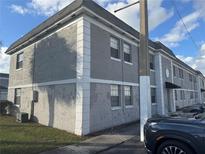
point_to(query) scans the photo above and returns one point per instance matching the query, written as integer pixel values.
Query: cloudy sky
(17, 17)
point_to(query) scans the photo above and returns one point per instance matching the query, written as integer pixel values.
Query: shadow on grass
(36, 143)
(32, 126)
(18, 147)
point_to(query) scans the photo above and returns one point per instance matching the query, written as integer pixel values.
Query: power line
(188, 32)
(126, 6)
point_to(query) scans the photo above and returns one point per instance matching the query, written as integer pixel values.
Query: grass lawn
(31, 138)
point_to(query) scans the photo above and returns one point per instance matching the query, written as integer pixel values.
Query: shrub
(4, 105)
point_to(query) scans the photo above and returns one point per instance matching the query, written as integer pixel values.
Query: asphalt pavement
(132, 146)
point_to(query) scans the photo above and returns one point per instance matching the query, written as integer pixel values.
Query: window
(153, 95)
(194, 79)
(128, 95)
(196, 95)
(115, 95)
(191, 94)
(114, 45)
(127, 52)
(176, 97)
(175, 70)
(151, 57)
(202, 83)
(181, 73)
(190, 78)
(17, 99)
(182, 95)
(19, 61)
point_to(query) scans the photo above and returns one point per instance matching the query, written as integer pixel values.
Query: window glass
(151, 61)
(176, 97)
(128, 95)
(114, 45)
(182, 95)
(191, 94)
(174, 71)
(181, 73)
(115, 96)
(19, 61)
(127, 52)
(153, 95)
(190, 77)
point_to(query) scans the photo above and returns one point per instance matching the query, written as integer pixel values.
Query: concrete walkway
(100, 143)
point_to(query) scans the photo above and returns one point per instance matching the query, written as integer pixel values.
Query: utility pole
(144, 68)
(144, 72)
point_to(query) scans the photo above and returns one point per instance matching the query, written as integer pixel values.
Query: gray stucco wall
(101, 114)
(103, 67)
(55, 60)
(187, 86)
(59, 56)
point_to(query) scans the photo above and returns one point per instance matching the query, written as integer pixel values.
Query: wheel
(174, 147)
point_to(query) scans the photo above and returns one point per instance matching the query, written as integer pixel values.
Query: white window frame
(115, 44)
(115, 91)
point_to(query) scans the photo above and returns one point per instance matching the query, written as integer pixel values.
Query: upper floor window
(127, 52)
(17, 98)
(174, 70)
(190, 77)
(202, 83)
(128, 95)
(19, 61)
(181, 73)
(194, 78)
(115, 47)
(115, 95)
(151, 57)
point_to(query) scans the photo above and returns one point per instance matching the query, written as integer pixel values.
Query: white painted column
(82, 124)
(173, 90)
(199, 89)
(145, 103)
(160, 88)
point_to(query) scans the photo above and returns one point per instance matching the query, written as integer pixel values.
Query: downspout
(33, 84)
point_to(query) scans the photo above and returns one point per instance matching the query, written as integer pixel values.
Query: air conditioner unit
(22, 117)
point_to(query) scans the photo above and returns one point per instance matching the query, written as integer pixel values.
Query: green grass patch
(31, 138)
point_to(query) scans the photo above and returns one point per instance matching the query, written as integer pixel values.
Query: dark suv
(165, 135)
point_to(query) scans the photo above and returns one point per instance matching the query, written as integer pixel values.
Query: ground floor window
(153, 95)
(196, 95)
(176, 97)
(115, 95)
(191, 94)
(17, 98)
(128, 95)
(182, 95)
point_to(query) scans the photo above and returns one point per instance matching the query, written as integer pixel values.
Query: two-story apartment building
(79, 71)
(4, 80)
